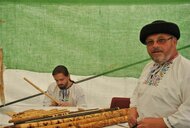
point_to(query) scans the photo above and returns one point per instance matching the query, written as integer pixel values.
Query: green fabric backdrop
(89, 37)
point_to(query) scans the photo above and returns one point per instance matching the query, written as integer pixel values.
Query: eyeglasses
(159, 41)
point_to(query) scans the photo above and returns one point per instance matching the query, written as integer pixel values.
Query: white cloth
(166, 94)
(76, 95)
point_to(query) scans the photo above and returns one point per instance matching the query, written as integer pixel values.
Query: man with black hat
(162, 97)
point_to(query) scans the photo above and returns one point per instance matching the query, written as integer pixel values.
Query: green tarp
(89, 37)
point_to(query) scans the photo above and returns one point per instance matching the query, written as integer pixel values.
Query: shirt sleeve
(133, 99)
(81, 99)
(47, 101)
(181, 118)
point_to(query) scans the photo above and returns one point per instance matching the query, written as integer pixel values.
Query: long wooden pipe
(2, 95)
(45, 93)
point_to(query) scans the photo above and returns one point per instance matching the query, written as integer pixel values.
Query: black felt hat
(159, 26)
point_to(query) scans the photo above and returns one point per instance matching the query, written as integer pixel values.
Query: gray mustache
(157, 50)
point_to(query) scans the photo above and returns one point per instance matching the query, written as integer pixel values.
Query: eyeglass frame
(158, 41)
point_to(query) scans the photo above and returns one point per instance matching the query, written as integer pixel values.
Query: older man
(162, 97)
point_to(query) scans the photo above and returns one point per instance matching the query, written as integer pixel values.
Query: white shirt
(75, 95)
(166, 94)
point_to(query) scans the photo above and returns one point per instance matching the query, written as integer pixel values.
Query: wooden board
(2, 96)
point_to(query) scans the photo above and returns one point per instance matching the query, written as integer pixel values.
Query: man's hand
(53, 103)
(61, 103)
(132, 117)
(64, 104)
(151, 123)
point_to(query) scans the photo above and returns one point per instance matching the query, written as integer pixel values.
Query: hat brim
(161, 27)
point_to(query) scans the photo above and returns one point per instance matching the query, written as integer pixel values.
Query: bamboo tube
(39, 117)
(52, 98)
(36, 114)
(111, 118)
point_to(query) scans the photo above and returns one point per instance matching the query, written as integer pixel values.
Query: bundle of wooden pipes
(95, 118)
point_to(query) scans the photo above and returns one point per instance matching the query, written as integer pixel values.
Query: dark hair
(60, 69)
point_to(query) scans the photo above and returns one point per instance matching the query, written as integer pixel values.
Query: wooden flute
(68, 115)
(109, 117)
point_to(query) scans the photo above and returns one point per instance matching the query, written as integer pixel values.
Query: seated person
(64, 90)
